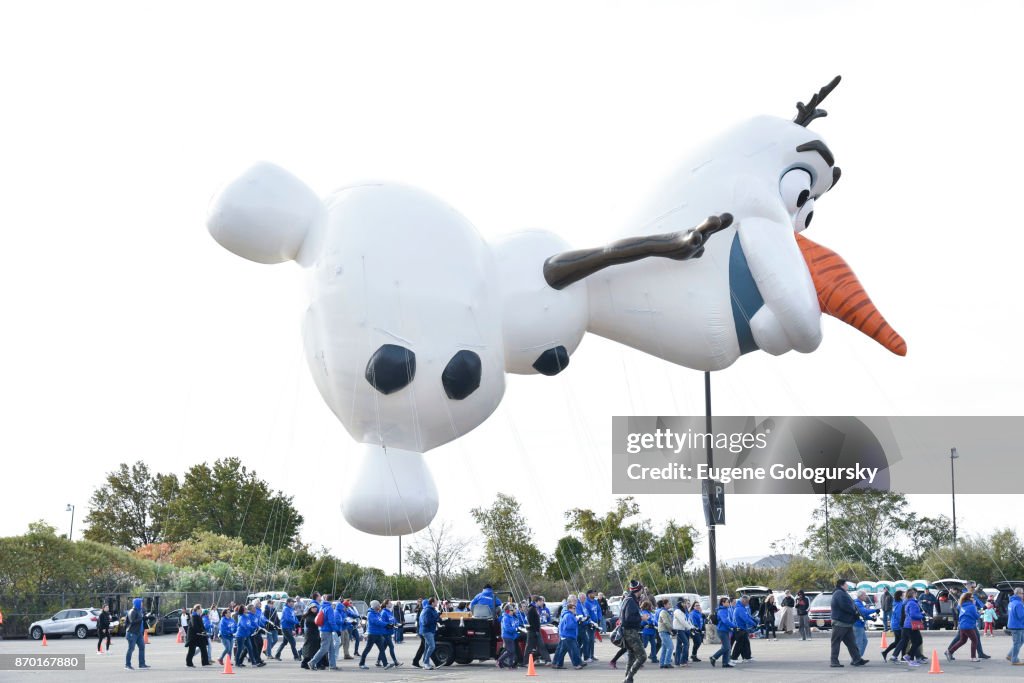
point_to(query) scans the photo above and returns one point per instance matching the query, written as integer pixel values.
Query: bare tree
(439, 554)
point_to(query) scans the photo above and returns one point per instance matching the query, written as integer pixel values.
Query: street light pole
(953, 455)
(71, 508)
(712, 550)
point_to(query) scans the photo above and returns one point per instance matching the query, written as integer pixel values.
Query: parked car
(757, 594)
(410, 615)
(79, 622)
(1002, 601)
(948, 591)
(820, 612)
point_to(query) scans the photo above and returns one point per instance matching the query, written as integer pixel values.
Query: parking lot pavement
(788, 659)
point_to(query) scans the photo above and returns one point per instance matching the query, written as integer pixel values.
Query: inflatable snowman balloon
(414, 318)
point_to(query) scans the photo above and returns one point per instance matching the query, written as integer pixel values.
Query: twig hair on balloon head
(808, 112)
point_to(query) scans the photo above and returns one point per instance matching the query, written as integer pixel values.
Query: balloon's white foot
(389, 492)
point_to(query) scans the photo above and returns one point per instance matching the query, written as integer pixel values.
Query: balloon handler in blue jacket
(725, 625)
(568, 631)
(488, 599)
(509, 657)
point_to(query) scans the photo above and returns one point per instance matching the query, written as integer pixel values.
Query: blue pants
(1018, 640)
(570, 646)
(245, 646)
(428, 648)
(682, 647)
(326, 650)
(588, 644)
(650, 638)
(390, 645)
(723, 651)
(135, 640)
(666, 648)
(861, 634)
(227, 642)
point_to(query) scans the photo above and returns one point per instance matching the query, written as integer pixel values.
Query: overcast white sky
(130, 334)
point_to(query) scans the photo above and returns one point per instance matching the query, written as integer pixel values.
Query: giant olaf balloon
(414, 318)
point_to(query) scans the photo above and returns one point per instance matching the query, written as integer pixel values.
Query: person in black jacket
(630, 615)
(103, 629)
(844, 615)
(534, 643)
(803, 619)
(196, 637)
(312, 644)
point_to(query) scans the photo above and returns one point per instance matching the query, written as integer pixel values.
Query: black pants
(419, 653)
(844, 634)
(100, 635)
(916, 641)
(287, 637)
(899, 643)
(534, 643)
(696, 637)
(740, 645)
(194, 643)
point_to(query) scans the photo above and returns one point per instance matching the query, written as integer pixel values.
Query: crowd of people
(647, 630)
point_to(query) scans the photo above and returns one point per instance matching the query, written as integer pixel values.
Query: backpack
(616, 635)
(713, 618)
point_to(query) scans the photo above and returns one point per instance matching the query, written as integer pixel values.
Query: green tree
(568, 561)
(865, 526)
(229, 499)
(129, 509)
(615, 543)
(509, 549)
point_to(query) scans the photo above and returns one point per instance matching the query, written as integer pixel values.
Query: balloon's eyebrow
(819, 147)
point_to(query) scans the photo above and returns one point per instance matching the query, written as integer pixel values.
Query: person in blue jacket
(288, 624)
(568, 631)
(389, 618)
(860, 626)
(244, 644)
(226, 628)
(427, 628)
(208, 628)
(696, 617)
(745, 623)
(509, 633)
(1015, 625)
(596, 619)
(899, 639)
(649, 630)
(487, 598)
(327, 631)
(260, 625)
(544, 613)
(377, 628)
(967, 622)
(912, 613)
(979, 607)
(725, 625)
(349, 622)
(135, 624)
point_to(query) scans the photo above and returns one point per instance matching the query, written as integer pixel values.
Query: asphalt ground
(787, 659)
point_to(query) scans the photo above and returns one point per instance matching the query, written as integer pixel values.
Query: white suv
(78, 622)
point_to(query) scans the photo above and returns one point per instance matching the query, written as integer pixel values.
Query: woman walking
(649, 633)
(697, 632)
(664, 619)
(968, 628)
(725, 625)
(899, 639)
(312, 643)
(197, 637)
(226, 629)
(103, 629)
(768, 611)
(913, 622)
(389, 618)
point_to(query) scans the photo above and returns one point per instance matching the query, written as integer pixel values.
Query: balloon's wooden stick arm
(561, 270)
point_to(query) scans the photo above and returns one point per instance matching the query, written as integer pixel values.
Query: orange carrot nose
(841, 295)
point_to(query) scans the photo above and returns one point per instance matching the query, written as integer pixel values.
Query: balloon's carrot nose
(841, 295)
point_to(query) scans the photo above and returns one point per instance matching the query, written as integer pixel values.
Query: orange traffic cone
(227, 665)
(936, 669)
(885, 642)
(180, 639)
(44, 640)
(145, 637)
(530, 671)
